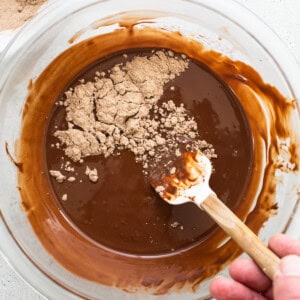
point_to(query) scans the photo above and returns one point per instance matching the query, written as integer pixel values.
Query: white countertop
(281, 15)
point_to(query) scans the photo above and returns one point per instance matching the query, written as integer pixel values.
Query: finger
(248, 273)
(284, 245)
(287, 278)
(269, 293)
(225, 289)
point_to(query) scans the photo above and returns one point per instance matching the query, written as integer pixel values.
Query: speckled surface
(280, 15)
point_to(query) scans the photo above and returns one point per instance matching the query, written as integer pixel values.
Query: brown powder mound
(119, 110)
(14, 13)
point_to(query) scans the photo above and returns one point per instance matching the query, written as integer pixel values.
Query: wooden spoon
(190, 183)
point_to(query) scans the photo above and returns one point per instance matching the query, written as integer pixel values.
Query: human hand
(249, 282)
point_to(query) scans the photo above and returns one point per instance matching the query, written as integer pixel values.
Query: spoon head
(189, 181)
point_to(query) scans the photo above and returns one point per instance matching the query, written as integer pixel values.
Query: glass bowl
(243, 37)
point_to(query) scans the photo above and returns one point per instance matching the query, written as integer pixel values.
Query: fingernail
(290, 265)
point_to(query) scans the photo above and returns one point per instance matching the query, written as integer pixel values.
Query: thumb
(286, 283)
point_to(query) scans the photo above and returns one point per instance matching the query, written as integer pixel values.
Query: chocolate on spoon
(190, 183)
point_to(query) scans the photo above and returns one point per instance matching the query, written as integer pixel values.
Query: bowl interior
(42, 40)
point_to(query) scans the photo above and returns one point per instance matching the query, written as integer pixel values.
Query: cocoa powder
(14, 13)
(119, 110)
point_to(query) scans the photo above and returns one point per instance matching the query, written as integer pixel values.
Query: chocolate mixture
(113, 213)
(107, 210)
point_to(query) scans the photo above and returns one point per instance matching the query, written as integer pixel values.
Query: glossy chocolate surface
(121, 210)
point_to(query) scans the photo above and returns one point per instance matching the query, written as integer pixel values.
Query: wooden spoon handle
(241, 234)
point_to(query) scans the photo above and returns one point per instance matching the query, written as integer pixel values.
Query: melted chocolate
(107, 211)
(224, 126)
